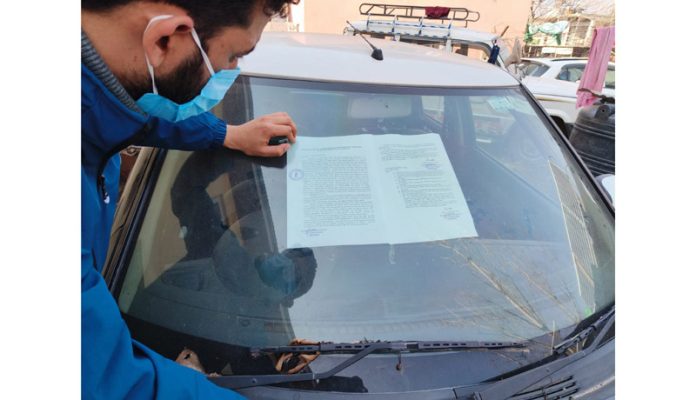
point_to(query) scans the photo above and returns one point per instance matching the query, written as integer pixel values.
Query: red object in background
(603, 40)
(437, 12)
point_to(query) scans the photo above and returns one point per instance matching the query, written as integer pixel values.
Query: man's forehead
(243, 38)
(238, 39)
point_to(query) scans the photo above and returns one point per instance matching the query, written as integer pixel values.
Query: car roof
(346, 58)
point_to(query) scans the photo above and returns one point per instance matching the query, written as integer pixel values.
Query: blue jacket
(114, 366)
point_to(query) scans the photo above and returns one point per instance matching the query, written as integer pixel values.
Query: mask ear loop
(205, 56)
(150, 69)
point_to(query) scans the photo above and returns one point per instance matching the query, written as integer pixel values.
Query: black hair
(209, 16)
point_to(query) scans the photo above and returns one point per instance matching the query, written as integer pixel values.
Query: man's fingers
(282, 118)
(294, 129)
(190, 359)
(281, 130)
(274, 151)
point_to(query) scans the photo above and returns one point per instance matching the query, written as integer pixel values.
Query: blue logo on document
(296, 174)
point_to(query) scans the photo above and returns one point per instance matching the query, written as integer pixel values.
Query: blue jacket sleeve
(116, 367)
(204, 131)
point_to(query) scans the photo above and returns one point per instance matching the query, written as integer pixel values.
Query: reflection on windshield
(279, 276)
(212, 258)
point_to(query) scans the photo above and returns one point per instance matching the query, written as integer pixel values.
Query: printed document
(369, 189)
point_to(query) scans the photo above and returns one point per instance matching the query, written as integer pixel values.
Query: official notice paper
(369, 189)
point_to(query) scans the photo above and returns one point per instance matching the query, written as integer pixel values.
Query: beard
(180, 86)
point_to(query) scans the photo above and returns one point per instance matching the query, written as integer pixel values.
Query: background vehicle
(594, 134)
(554, 82)
(201, 253)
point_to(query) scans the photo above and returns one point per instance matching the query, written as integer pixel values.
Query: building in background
(579, 18)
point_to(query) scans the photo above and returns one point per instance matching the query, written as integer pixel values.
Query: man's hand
(190, 359)
(252, 137)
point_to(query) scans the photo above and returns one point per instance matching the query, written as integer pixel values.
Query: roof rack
(417, 12)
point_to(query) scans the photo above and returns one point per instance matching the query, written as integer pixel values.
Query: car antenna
(376, 53)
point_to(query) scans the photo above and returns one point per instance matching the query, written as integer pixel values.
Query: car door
(573, 73)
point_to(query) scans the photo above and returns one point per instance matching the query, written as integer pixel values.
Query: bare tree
(566, 7)
(541, 9)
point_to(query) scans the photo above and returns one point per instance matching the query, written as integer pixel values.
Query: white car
(554, 82)
(428, 235)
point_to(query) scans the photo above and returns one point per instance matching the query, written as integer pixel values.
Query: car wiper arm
(604, 322)
(360, 349)
(405, 346)
(508, 387)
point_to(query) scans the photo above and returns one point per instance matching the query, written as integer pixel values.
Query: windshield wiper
(580, 337)
(513, 382)
(391, 346)
(360, 349)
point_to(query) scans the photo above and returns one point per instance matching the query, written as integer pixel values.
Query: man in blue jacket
(150, 72)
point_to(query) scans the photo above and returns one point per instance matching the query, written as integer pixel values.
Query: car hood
(556, 87)
(552, 87)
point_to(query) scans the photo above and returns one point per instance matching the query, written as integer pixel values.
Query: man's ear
(160, 37)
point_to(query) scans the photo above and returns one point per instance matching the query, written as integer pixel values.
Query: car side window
(538, 70)
(532, 68)
(610, 80)
(571, 72)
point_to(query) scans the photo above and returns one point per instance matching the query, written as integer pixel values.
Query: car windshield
(400, 214)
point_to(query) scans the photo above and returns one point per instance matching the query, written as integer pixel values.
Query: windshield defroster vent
(559, 390)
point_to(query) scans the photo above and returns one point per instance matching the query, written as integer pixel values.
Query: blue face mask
(212, 93)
